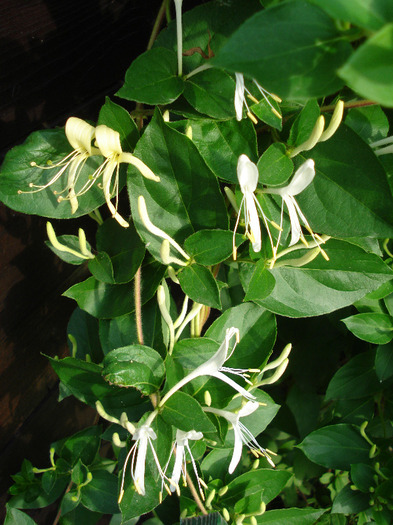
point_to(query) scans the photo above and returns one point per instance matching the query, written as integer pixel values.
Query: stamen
(252, 117)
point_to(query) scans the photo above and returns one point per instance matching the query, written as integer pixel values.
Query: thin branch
(348, 105)
(138, 304)
(195, 495)
(58, 515)
(157, 24)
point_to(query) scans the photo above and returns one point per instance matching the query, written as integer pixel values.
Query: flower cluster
(80, 135)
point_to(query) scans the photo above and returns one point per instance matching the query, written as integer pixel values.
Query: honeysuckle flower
(180, 448)
(108, 142)
(179, 33)
(80, 135)
(240, 99)
(247, 174)
(304, 175)
(387, 143)
(318, 134)
(84, 252)
(242, 435)
(142, 210)
(214, 367)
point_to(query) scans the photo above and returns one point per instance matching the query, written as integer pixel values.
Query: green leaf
(152, 78)
(293, 516)
(85, 382)
(118, 118)
(16, 174)
(363, 476)
(17, 517)
(84, 329)
(264, 112)
(209, 247)
(199, 284)
(82, 446)
(370, 14)
(349, 197)
(324, 286)
(336, 446)
(222, 142)
(188, 197)
(266, 484)
(184, 412)
(261, 284)
(101, 268)
(355, 379)
(372, 327)
(369, 71)
(304, 123)
(124, 247)
(370, 122)
(257, 328)
(80, 515)
(72, 241)
(210, 91)
(295, 52)
(384, 362)
(350, 501)
(275, 167)
(134, 366)
(100, 495)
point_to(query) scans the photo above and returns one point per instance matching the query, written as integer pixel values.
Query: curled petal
(79, 134)
(239, 96)
(108, 141)
(247, 174)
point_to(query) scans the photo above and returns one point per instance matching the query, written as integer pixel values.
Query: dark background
(58, 58)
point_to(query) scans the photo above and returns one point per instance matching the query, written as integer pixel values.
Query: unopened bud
(223, 490)
(225, 514)
(208, 398)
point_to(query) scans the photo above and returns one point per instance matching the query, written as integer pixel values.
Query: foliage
(256, 220)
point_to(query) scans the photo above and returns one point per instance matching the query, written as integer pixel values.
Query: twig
(138, 304)
(347, 105)
(195, 495)
(157, 24)
(58, 515)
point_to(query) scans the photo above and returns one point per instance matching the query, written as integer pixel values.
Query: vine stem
(195, 494)
(138, 304)
(58, 515)
(157, 24)
(348, 105)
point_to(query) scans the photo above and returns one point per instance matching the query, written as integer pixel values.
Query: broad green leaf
(81, 446)
(207, 25)
(17, 517)
(124, 247)
(305, 406)
(85, 382)
(199, 284)
(349, 196)
(264, 112)
(84, 329)
(336, 446)
(304, 123)
(293, 516)
(134, 366)
(119, 119)
(363, 476)
(122, 331)
(355, 379)
(209, 247)
(354, 411)
(265, 484)
(101, 268)
(184, 412)
(275, 167)
(261, 283)
(188, 197)
(222, 142)
(370, 122)
(384, 362)
(100, 495)
(295, 52)
(370, 14)
(324, 286)
(257, 329)
(39, 498)
(350, 501)
(16, 174)
(211, 92)
(369, 71)
(373, 327)
(152, 78)
(80, 515)
(105, 300)
(72, 241)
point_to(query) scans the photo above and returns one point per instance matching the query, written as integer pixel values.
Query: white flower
(80, 135)
(304, 175)
(387, 143)
(242, 435)
(240, 99)
(214, 367)
(144, 437)
(247, 174)
(180, 466)
(108, 141)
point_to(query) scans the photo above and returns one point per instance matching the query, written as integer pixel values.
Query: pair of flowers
(80, 135)
(144, 435)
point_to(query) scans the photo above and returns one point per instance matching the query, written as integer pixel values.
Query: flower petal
(239, 96)
(304, 175)
(296, 229)
(108, 141)
(237, 450)
(247, 174)
(79, 134)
